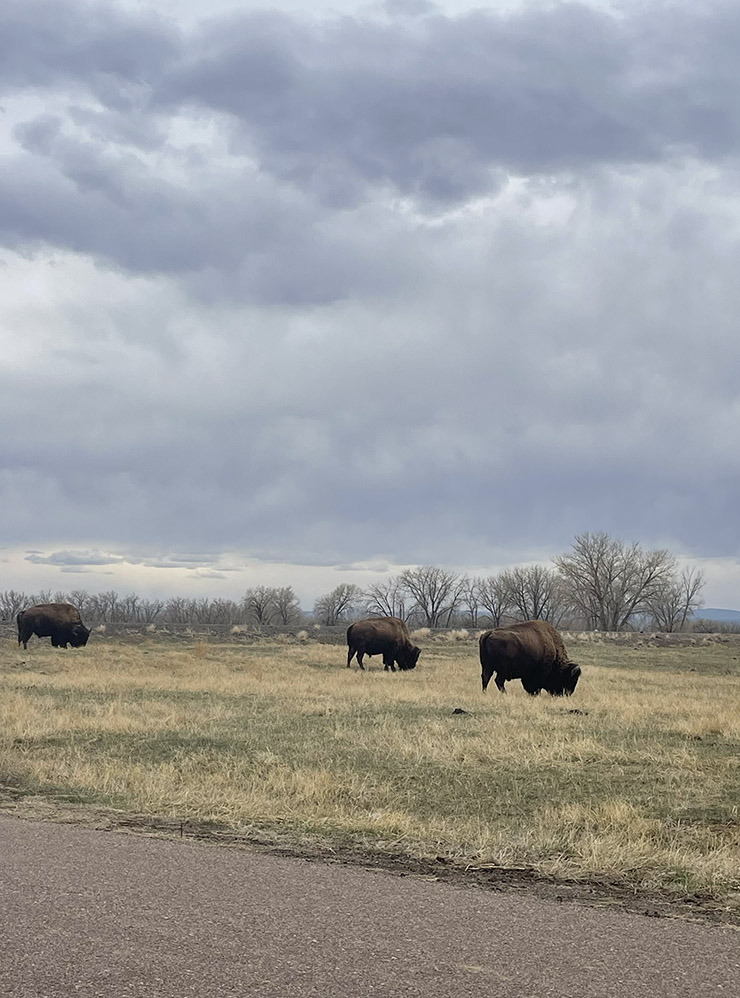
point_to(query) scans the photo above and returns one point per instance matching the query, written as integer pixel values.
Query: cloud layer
(405, 287)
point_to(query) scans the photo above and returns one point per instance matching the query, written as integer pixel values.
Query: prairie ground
(635, 780)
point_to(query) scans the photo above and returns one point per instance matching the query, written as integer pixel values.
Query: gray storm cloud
(418, 288)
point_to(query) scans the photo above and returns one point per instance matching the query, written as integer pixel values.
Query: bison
(59, 621)
(386, 636)
(532, 651)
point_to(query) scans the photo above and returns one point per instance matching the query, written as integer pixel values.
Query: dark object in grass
(386, 636)
(459, 710)
(532, 651)
(59, 621)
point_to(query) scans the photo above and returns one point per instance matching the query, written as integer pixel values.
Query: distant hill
(713, 613)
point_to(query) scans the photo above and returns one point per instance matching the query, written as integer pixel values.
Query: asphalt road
(90, 913)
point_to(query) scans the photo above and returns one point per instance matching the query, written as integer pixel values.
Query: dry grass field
(635, 780)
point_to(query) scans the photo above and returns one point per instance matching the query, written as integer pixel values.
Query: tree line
(259, 605)
(602, 583)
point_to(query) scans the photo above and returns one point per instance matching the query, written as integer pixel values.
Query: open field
(634, 781)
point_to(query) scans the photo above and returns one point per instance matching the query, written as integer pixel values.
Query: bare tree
(204, 611)
(130, 607)
(387, 599)
(610, 582)
(259, 604)
(436, 593)
(535, 592)
(151, 610)
(674, 602)
(494, 598)
(334, 607)
(177, 610)
(224, 611)
(11, 604)
(470, 599)
(106, 606)
(82, 600)
(286, 605)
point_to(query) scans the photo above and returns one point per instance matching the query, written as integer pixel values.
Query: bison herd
(531, 651)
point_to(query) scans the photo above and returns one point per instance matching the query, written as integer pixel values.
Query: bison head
(562, 682)
(409, 657)
(79, 635)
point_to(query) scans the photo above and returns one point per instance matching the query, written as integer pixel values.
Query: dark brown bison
(532, 651)
(386, 636)
(59, 621)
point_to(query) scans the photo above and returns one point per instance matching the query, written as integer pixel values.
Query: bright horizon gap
(229, 578)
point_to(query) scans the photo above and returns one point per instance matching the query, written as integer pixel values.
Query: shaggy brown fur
(386, 636)
(59, 621)
(532, 651)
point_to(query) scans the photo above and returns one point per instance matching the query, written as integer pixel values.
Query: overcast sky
(298, 296)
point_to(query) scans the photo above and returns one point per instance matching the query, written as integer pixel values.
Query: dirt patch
(286, 842)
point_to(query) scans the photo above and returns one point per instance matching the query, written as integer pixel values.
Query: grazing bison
(532, 651)
(386, 636)
(59, 621)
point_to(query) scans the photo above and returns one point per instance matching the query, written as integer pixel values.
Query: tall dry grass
(635, 778)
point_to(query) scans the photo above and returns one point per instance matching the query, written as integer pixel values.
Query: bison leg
(485, 678)
(351, 654)
(388, 663)
(500, 683)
